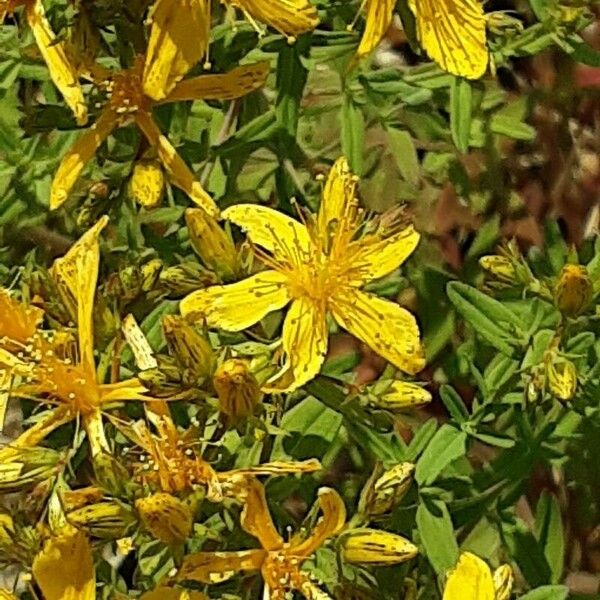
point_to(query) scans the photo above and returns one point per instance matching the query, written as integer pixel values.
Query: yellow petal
(333, 520)
(235, 84)
(385, 327)
(178, 40)
(170, 593)
(62, 72)
(278, 468)
(78, 271)
(339, 190)
(179, 173)
(304, 339)
(378, 20)
(256, 518)
(214, 567)
(5, 594)
(240, 305)
(147, 184)
(284, 237)
(453, 33)
(471, 579)
(64, 569)
(378, 257)
(374, 547)
(290, 17)
(78, 155)
(130, 389)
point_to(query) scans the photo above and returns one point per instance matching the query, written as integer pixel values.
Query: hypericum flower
(365, 546)
(71, 382)
(472, 579)
(562, 378)
(62, 71)
(319, 267)
(166, 517)
(452, 32)
(147, 183)
(127, 102)
(280, 562)
(64, 568)
(573, 290)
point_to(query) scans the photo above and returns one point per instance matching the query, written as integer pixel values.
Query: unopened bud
(237, 388)
(191, 349)
(503, 582)
(573, 290)
(105, 520)
(212, 243)
(366, 546)
(185, 278)
(166, 517)
(500, 267)
(147, 183)
(398, 395)
(562, 378)
(384, 491)
(26, 467)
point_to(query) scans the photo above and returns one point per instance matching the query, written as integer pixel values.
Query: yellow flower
(127, 102)
(70, 382)
(573, 290)
(366, 546)
(319, 267)
(562, 378)
(472, 579)
(166, 517)
(280, 562)
(452, 32)
(289, 17)
(237, 388)
(64, 569)
(62, 71)
(147, 184)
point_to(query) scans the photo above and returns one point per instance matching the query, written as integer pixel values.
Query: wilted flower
(319, 267)
(573, 290)
(237, 388)
(166, 517)
(562, 378)
(365, 546)
(65, 567)
(472, 579)
(280, 562)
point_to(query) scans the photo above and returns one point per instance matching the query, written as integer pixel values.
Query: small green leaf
(461, 109)
(550, 533)
(548, 592)
(446, 446)
(353, 134)
(405, 153)
(454, 403)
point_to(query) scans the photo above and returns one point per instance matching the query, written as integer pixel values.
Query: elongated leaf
(446, 446)
(548, 592)
(461, 108)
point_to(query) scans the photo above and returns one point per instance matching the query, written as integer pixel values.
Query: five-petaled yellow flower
(66, 376)
(280, 562)
(319, 267)
(128, 102)
(452, 32)
(472, 579)
(62, 71)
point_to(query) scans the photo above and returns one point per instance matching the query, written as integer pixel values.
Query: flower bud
(384, 491)
(398, 395)
(166, 517)
(212, 243)
(191, 349)
(562, 378)
(366, 546)
(105, 520)
(26, 467)
(500, 267)
(573, 290)
(185, 278)
(237, 388)
(503, 582)
(147, 184)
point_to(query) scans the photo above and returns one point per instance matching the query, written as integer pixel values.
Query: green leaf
(446, 446)
(548, 592)
(550, 533)
(461, 109)
(490, 319)
(353, 134)
(405, 153)
(585, 54)
(454, 403)
(291, 79)
(437, 534)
